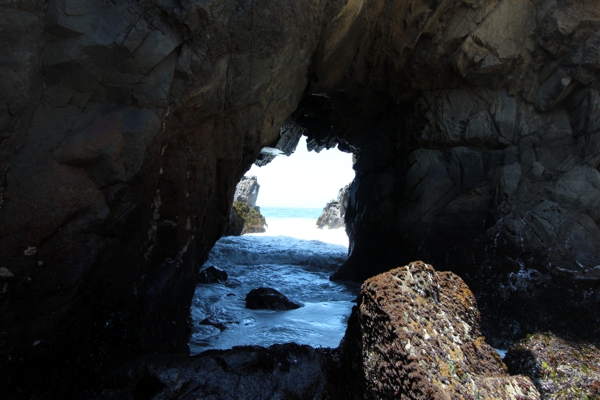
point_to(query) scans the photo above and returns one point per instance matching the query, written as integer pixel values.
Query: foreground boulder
(415, 334)
(269, 299)
(287, 371)
(334, 212)
(560, 368)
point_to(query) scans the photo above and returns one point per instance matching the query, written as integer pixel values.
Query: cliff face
(125, 127)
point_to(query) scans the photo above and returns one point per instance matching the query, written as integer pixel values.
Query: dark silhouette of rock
(415, 334)
(560, 368)
(287, 371)
(269, 299)
(212, 274)
(125, 127)
(334, 212)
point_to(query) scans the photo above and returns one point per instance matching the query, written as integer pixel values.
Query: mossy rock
(244, 219)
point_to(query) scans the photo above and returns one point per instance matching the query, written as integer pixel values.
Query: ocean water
(292, 256)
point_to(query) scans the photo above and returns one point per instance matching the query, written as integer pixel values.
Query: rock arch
(126, 126)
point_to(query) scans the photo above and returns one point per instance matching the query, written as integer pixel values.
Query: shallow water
(294, 257)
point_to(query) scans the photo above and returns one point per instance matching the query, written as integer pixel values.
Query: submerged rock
(269, 299)
(244, 219)
(212, 274)
(335, 211)
(560, 368)
(415, 334)
(217, 324)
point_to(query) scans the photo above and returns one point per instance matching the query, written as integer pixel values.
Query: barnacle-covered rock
(415, 335)
(559, 368)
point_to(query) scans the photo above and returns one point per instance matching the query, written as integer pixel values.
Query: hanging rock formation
(125, 126)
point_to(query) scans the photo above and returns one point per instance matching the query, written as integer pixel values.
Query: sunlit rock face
(125, 127)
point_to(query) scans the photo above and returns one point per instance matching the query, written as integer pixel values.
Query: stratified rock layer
(560, 368)
(415, 335)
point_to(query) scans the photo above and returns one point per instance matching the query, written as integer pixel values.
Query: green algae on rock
(560, 368)
(415, 334)
(245, 219)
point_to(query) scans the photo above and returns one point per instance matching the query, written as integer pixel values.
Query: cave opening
(302, 198)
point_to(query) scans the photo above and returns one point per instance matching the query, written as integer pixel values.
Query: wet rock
(335, 211)
(244, 219)
(212, 274)
(269, 299)
(415, 334)
(219, 325)
(559, 368)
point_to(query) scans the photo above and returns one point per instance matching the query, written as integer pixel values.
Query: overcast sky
(304, 179)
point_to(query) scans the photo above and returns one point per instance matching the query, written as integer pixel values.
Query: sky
(304, 179)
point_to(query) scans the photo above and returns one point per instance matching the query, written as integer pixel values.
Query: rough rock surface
(212, 274)
(477, 136)
(269, 299)
(125, 127)
(335, 211)
(415, 335)
(560, 368)
(247, 190)
(288, 371)
(244, 219)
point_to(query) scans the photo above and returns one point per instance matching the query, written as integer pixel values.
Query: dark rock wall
(476, 130)
(125, 126)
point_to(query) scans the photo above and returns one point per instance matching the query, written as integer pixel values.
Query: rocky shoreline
(414, 334)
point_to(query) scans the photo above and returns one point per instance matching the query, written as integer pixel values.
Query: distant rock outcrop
(247, 190)
(415, 335)
(335, 211)
(245, 216)
(244, 219)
